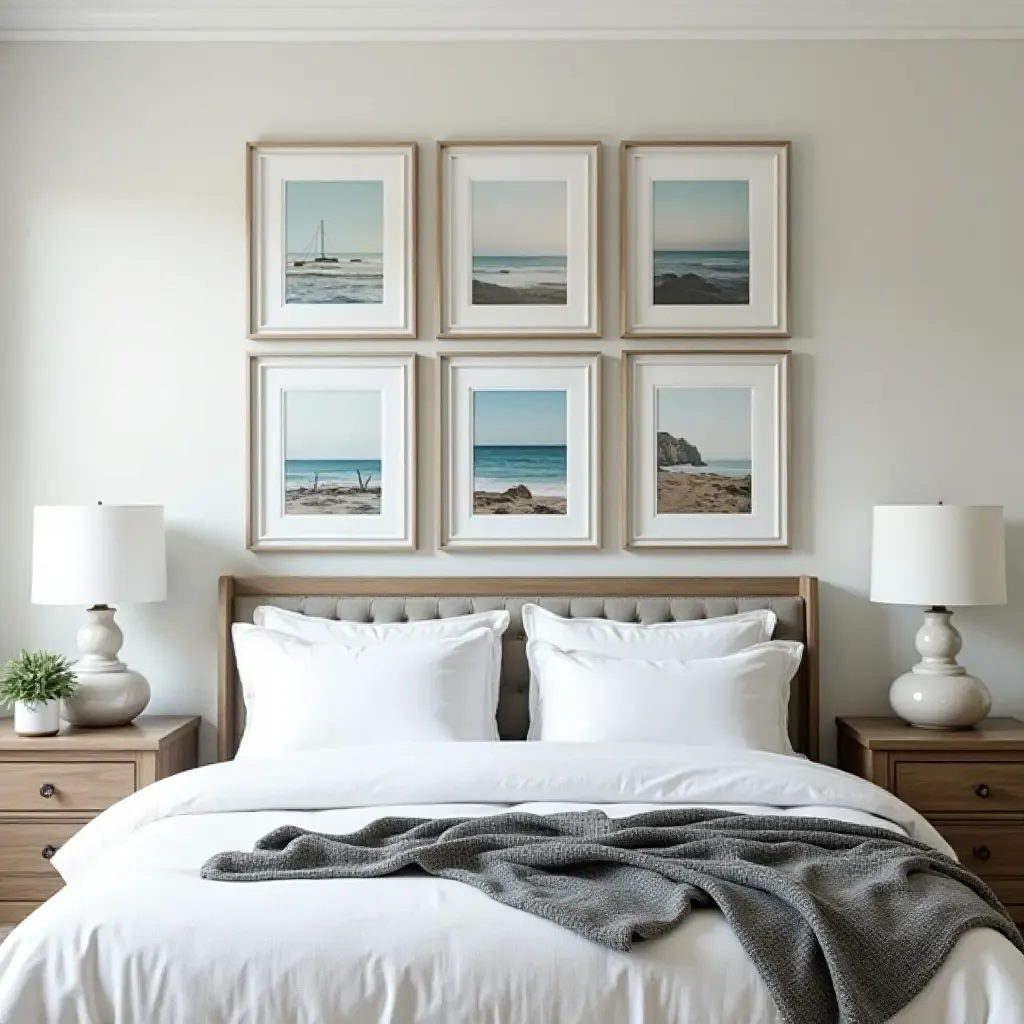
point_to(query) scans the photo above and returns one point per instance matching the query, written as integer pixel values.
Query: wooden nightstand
(969, 784)
(51, 786)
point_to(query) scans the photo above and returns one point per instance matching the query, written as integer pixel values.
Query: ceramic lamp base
(109, 693)
(938, 693)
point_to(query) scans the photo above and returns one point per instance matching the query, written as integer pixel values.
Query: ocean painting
(703, 450)
(334, 234)
(520, 243)
(519, 452)
(701, 236)
(332, 446)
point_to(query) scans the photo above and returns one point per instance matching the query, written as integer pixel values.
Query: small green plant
(35, 677)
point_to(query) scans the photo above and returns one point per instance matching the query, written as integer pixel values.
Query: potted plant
(35, 683)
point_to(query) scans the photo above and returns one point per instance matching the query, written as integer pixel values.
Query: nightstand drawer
(70, 785)
(986, 848)
(29, 889)
(952, 786)
(24, 845)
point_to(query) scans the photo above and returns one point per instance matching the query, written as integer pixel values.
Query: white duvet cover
(137, 937)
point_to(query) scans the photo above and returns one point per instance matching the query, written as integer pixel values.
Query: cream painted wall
(122, 301)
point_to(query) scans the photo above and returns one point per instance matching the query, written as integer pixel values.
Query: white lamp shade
(946, 555)
(98, 554)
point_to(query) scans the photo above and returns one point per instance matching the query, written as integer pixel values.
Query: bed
(138, 936)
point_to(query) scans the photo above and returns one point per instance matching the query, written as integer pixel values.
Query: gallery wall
(122, 311)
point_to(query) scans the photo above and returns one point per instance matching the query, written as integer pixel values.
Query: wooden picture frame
(706, 449)
(704, 239)
(519, 239)
(331, 452)
(520, 455)
(353, 206)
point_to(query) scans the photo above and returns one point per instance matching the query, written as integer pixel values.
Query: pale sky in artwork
(519, 417)
(716, 420)
(694, 215)
(520, 218)
(352, 212)
(332, 424)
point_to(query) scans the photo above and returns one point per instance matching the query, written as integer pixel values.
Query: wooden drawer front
(29, 888)
(1009, 890)
(22, 844)
(987, 849)
(76, 785)
(950, 786)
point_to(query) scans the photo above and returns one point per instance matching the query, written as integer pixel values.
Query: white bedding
(137, 937)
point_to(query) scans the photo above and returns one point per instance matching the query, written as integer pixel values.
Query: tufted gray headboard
(638, 599)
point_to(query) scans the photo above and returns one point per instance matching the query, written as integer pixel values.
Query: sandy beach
(328, 500)
(487, 294)
(516, 501)
(702, 493)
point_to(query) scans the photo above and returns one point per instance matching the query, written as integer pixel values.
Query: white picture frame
(331, 240)
(520, 465)
(705, 239)
(519, 249)
(331, 453)
(706, 449)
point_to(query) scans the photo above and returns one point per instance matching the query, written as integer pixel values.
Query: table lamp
(937, 556)
(98, 556)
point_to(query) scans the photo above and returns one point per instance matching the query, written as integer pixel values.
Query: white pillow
(740, 700)
(318, 630)
(306, 696)
(692, 638)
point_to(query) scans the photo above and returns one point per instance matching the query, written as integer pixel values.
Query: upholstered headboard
(794, 599)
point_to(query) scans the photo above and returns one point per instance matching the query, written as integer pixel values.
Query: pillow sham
(305, 696)
(364, 634)
(691, 638)
(739, 700)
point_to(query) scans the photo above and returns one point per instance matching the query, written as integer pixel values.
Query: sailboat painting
(334, 239)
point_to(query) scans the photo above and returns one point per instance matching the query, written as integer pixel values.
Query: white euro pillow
(740, 700)
(690, 638)
(307, 696)
(318, 630)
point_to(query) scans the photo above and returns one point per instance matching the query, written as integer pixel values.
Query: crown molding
(400, 20)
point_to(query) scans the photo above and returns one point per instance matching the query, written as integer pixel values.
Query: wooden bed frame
(238, 590)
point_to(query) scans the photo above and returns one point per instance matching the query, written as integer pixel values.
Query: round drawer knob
(981, 852)
(982, 790)
(47, 789)
(48, 851)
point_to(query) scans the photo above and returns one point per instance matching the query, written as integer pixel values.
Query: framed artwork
(332, 240)
(706, 449)
(705, 241)
(331, 452)
(519, 450)
(518, 239)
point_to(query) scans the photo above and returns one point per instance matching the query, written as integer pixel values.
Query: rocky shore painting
(334, 234)
(519, 452)
(332, 446)
(703, 450)
(701, 235)
(520, 243)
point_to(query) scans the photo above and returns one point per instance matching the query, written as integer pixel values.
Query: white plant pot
(42, 719)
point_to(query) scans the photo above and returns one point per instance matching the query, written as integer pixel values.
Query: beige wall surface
(122, 312)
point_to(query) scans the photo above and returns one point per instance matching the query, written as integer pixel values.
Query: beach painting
(703, 450)
(701, 242)
(519, 452)
(520, 243)
(333, 452)
(334, 238)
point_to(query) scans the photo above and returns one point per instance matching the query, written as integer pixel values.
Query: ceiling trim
(399, 20)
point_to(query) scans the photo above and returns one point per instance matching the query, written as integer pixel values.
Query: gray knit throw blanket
(845, 923)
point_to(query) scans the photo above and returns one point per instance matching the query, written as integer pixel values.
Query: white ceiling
(513, 19)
